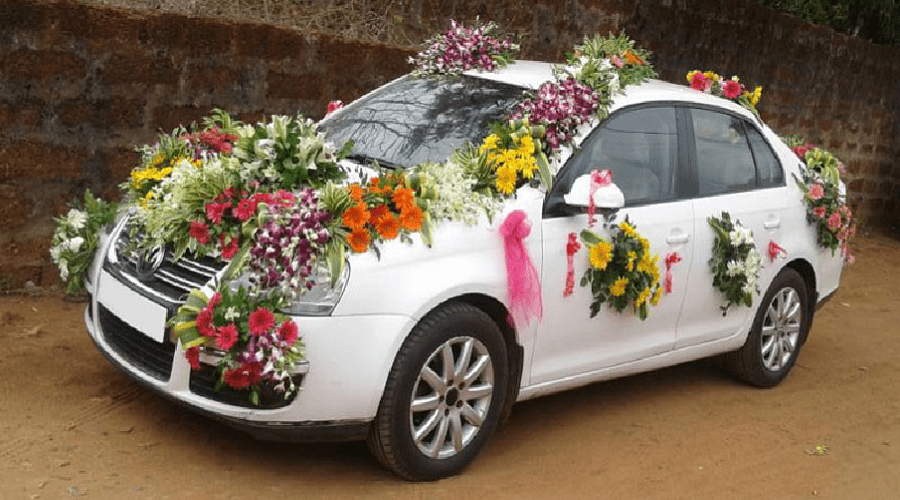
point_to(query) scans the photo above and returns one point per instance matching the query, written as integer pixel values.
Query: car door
(736, 172)
(639, 145)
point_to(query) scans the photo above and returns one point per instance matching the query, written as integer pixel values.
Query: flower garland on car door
(623, 272)
(735, 262)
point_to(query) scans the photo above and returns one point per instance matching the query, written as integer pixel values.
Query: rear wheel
(779, 330)
(444, 394)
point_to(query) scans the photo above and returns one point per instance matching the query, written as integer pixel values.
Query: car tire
(779, 330)
(433, 421)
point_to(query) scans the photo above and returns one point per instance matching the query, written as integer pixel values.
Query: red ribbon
(522, 279)
(572, 248)
(774, 250)
(672, 258)
(599, 178)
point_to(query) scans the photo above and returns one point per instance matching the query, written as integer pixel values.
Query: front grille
(170, 284)
(203, 383)
(151, 357)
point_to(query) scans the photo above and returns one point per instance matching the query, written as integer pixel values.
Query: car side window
(768, 168)
(639, 147)
(724, 161)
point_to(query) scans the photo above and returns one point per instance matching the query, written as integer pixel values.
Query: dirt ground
(72, 426)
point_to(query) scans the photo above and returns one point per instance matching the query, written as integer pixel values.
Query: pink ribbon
(672, 258)
(522, 279)
(572, 248)
(599, 178)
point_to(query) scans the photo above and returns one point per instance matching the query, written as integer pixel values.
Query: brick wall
(81, 86)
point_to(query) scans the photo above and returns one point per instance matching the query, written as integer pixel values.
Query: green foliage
(875, 20)
(76, 237)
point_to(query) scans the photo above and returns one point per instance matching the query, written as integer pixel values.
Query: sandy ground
(72, 426)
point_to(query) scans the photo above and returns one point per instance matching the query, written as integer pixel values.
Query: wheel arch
(515, 353)
(808, 273)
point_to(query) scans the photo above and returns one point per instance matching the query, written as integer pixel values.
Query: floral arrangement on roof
(462, 48)
(735, 262)
(731, 89)
(823, 192)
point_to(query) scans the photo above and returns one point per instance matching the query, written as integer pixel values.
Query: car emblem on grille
(148, 262)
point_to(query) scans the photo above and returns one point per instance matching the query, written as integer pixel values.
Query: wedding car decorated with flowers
(406, 269)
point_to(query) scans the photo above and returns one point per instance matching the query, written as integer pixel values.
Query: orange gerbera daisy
(632, 58)
(387, 226)
(358, 240)
(373, 185)
(403, 198)
(356, 216)
(356, 192)
(411, 218)
(379, 212)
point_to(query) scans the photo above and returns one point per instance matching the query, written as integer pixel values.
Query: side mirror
(608, 197)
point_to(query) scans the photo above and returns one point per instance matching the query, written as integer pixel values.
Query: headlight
(323, 297)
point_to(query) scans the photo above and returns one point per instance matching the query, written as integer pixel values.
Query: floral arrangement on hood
(462, 48)
(731, 89)
(735, 261)
(271, 201)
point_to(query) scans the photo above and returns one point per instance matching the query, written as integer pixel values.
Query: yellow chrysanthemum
(657, 294)
(757, 93)
(528, 167)
(506, 180)
(644, 295)
(644, 243)
(600, 255)
(628, 229)
(690, 75)
(712, 75)
(490, 142)
(526, 146)
(631, 257)
(618, 288)
(157, 159)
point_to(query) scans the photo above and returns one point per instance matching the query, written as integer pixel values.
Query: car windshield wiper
(367, 160)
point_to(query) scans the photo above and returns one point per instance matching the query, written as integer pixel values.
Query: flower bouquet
(712, 83)
(623, 272)
(75, 239)
(735, 262)
(825, 201)
(461, 48)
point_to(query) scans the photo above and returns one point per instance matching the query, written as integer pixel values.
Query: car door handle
(772, 223)
(673, 239)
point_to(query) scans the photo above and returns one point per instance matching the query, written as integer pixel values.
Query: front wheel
(779, 330)
(444, 395)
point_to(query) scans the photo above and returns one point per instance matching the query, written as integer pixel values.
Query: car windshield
(417, 120)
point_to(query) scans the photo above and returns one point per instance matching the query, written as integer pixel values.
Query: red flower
(205, 324)
(731, 89)
(819, 212)
(333, 106)
(834, 221)
(229, 250)
(193, 356)
(700, 82)
(226, 336)
(215, 211)
(200, 232)
(261, 321)
(214, 301)
(244, 376)
(245, 210)
(288, 332)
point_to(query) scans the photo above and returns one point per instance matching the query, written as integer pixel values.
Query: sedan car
(414, 350)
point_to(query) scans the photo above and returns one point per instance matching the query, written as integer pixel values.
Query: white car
(413, 350)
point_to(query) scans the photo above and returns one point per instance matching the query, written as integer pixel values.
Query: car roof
(532, 74)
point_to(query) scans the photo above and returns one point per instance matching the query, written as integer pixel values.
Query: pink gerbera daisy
(731, 89)
(226, 337)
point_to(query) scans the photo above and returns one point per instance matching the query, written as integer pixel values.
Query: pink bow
(522, 280)
(774, 250)
(599, 178)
